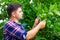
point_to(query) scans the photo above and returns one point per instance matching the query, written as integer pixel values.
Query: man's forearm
(32, 33)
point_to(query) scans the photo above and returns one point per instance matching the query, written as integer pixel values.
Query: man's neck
(14, 19)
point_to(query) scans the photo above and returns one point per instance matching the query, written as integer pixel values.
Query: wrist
(39, 26)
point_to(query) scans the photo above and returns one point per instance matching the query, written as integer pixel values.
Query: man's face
(18, 13)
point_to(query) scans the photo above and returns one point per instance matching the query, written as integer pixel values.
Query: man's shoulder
(10, 23)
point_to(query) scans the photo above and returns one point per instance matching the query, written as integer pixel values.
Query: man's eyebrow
(20, 11)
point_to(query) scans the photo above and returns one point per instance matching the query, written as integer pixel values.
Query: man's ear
(13, 14)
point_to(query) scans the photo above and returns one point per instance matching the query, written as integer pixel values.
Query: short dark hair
(12, 7)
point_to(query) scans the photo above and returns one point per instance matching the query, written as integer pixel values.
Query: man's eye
(20, 11)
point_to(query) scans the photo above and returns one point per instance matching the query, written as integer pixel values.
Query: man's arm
(32, 32)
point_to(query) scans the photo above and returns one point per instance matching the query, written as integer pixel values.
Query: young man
(13, 30)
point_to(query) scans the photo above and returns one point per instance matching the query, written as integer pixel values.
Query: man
(13, 30)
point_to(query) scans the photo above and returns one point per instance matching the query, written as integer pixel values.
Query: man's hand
(37, 20)
(42, 24)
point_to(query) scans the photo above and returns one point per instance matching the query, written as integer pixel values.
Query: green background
(48, 10)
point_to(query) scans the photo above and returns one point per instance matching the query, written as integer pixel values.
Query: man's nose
(22, 13)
